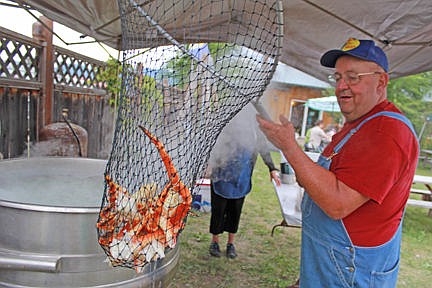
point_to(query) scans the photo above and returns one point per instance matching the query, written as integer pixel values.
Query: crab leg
(166, 159)
(175, 184)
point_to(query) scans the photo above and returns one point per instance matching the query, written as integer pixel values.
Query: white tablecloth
(290, 196)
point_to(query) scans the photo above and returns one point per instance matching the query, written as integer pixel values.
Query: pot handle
(25, 262)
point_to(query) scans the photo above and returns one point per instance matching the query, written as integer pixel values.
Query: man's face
(359, 97)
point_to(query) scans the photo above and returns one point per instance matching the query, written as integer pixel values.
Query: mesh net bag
(188, 68)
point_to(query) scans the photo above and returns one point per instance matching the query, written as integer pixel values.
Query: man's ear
(382, 83)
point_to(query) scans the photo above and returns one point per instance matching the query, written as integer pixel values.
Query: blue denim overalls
(328, 257)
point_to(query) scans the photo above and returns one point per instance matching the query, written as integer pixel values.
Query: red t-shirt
(378, 161)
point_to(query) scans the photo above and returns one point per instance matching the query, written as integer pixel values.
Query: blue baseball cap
(362, 49)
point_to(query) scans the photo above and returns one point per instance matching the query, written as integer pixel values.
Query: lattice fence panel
(19, 60)
(73, 70)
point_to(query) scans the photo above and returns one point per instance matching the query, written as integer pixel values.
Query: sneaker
(230, 251)
(214, 249)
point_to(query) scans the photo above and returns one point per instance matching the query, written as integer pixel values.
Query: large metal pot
(48, 212)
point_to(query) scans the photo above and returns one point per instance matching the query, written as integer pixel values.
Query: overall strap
(390, 114)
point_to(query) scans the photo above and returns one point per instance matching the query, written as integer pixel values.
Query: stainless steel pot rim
(45, 208)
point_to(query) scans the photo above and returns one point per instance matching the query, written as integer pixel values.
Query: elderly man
(357, 192)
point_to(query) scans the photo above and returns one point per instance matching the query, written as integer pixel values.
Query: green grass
(273, 261)
(416, 262)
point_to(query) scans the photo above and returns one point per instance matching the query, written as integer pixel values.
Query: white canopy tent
(403, 28)
(327, 104)
(323, 104)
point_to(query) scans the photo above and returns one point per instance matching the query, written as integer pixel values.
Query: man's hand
(274, 174)
(281, 135)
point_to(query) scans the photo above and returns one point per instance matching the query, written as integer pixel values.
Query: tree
(410, 95)
(111, 76)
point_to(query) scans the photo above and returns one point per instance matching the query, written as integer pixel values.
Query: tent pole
(305, 114)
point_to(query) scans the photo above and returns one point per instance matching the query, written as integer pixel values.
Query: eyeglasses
(350, 78)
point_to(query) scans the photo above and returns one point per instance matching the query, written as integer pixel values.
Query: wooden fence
(37, 82)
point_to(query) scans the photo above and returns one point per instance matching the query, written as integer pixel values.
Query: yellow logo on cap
(351, 44)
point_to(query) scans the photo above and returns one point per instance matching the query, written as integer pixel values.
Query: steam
(241, 133)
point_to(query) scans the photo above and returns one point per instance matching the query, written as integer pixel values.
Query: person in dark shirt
(231, 166)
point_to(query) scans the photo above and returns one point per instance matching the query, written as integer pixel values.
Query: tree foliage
(412, 94)
(111, 76)
(180, 65)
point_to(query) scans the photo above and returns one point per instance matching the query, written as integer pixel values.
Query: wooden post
(45, 36)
